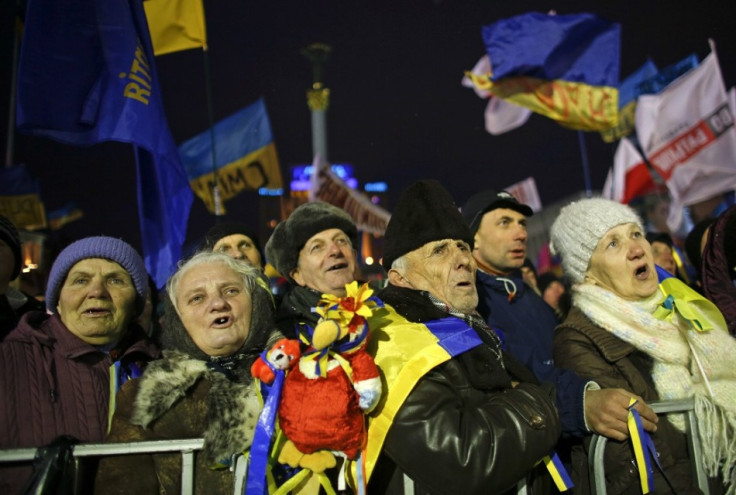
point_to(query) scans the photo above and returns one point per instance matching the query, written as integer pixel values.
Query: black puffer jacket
(594, 353)
(463, 429)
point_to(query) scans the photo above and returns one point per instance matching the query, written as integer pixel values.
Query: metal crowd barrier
(187, 448)
(596, 465)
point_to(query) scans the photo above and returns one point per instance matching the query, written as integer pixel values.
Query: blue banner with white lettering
(87, 74)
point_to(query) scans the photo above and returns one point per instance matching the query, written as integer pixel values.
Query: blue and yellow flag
(20, 198)
(87, 74)
(628, 91)
(64, 215)
(176, 25)
(245, 153)
(565, 67)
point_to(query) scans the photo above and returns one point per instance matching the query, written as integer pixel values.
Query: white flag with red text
(687, 133)
(500, 115)
(629, 177)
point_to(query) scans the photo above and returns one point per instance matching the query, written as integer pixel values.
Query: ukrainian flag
(245, 156)
(565, 67)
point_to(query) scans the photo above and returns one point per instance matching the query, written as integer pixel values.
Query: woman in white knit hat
(661, 342)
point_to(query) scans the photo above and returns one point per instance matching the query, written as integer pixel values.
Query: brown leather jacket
(599, 355)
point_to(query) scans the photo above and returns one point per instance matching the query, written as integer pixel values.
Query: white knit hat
(578, 228)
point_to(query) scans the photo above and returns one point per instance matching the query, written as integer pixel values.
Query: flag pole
(586, 168)
(211, 117)
(10, 143)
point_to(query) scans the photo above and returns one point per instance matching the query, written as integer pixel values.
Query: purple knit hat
(107, 248)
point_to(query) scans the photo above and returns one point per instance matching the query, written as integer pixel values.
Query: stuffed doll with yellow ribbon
(334, 384)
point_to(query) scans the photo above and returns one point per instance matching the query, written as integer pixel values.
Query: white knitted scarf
(681, 356)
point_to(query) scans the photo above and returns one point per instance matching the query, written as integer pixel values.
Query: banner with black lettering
(245, 156)
(20, 198)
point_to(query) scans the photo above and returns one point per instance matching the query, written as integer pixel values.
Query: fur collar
(232, 408)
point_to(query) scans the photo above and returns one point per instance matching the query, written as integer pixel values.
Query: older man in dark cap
(13, 302)
(315, 250)
(458, 415)
(235, 240)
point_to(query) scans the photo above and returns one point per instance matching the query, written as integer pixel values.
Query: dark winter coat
(295, 310)
(601, 356)
(526, 325)
(179, 398)
(462, 428)
(53, 383)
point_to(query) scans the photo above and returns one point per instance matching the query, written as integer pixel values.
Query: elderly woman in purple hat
(60, 366)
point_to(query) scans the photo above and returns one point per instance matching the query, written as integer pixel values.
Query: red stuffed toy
(322, 406)
(283, 355)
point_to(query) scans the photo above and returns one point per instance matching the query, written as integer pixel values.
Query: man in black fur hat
(315, 250)
(458, 415)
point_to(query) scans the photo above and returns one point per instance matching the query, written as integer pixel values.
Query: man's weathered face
(445, 269)
(326, 262)
(500, 242)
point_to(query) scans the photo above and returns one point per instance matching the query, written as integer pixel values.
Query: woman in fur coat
(662, 341)
(217, 322)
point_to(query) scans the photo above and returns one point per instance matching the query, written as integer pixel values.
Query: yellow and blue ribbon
(644, 449)
(683, 300)
(256, 481)
(557, 470)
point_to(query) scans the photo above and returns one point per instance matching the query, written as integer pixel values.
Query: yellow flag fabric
(574, 105)
(175, 25)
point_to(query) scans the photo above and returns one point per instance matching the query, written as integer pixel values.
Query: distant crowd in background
(460, 369)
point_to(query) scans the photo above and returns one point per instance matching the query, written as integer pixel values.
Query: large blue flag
(245, 153)
(565, 67)
(87, 75)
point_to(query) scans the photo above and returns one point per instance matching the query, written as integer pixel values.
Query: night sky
(398, 112)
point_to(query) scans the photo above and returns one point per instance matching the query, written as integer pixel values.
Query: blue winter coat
(526, 325)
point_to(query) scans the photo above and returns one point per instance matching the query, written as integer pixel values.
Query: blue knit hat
(107, 248)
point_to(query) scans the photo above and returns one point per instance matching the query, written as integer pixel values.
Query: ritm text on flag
(686, 145)
(139, 78)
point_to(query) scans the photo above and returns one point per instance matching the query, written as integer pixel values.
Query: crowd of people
(470, 373)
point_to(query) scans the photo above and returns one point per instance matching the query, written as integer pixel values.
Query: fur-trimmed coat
(177, 398)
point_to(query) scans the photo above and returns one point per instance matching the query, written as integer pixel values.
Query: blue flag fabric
(631, 87)
(245, 151)
(87, 74)
(564, 67)
(661, 79)
(580, 48)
